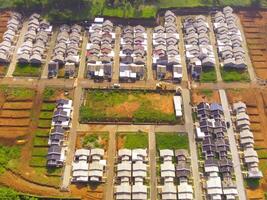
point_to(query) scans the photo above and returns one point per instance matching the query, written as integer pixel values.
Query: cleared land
(255, 28)
(136, 106)
(206, 95)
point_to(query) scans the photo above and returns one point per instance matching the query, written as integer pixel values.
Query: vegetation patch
(136, 106)
(208, 75)
(38, 161)
(252, 183)
(43, 123)
(206, 92)
(172, 141)
(40, 142)
(27, 70)
(48, 106)
(42, 132)
(94, 140)
(231, 75)
(49, 93)
(7, 155)
(46, 115)
(40, 151)
(134, 140)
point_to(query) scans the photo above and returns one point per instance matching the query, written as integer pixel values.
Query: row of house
(100, 50)
(246, 140)
(35, 43)
(133, 53)
(218, 166)
(66, 51)
(166, 56)
(229, 39)
(88, 165)
(60, 122)
(10, 37)
(199, 51)
(171, 173)
(131, 171)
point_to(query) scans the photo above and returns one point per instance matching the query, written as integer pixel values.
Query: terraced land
(256, 101)
(255, 28)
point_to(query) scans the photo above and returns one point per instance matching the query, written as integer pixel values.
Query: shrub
(6, 155)
(49, 93)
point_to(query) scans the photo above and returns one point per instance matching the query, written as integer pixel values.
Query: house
(124, 154)
(80, 171)
(97, 154)
(95, 172)
(185, 191)
(166, 155)
(123, 191)
(139, 192)
(250, 156)
(214, 188)
(124, 170)
(56, 137)
(139, 171)
(69, 70)
(239, 107)
(229, 189)
(182, 171)
(177, 100)
(64, 104)
(169, 192)
(139, 155)
(52, 69)
(55, 156)
(167, 172)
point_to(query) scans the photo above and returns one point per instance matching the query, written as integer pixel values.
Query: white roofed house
(166, 155)
(177, 100)
(167, 172)
(168, 192)
(139, 155)
(123, 191)
(139, 172)
(124, 171)
(96, 170)
(139, 192)
(96, 154)
(185, 191)
(124, 155)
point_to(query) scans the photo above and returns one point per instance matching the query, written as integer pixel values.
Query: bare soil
(15, 114)
(17, 105)
(14, 122)
(88, 193)
(198, 96)
(255, 28)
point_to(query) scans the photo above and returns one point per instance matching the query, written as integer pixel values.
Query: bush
(49, 93)
(7, 154)
(252, 183)
(231, 75)
(208, 75)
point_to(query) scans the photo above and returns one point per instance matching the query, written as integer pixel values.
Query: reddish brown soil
(254, 98)
(126, 109)
(120, 142)
(255, 28)
(14, 114)
(88, 193)
(198, 96)
(14, 122)
(17, 105)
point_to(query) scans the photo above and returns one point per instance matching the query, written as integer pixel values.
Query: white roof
(166, 152)
(82, 152)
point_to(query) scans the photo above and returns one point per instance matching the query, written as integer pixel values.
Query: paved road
(109, 187)
(13, 62)
(182, 48)
(233, 147)
(49, 54)
(214, 46)
(152, 163)
(82, 65)
(149, 55)
(189, 124)
(116, 64)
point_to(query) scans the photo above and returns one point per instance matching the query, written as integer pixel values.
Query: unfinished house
(133, 54)
(199, 51)
(34, 48)
(229, 40)
(67, 50)
(166, 58)
(100, 51)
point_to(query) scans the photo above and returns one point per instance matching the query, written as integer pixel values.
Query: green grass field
(27, 70)
(7, 155)
(44, 123)
(48, 106)
(93, 140)
(17, 93)
(40, 142)
(136, 106)
(208, 76)
(133, 140)
(172, 141)
(231, 75)
(46, 115)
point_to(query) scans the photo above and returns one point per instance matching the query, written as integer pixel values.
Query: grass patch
(135, 140)
(48, 106)
(40, 151)
(171, 141)
(252, 183)
(40, 142)
(46, 115)
(7, 155)
(206, 92)
(231, 75)
(262, 154)
(42, 132)
(49, 93)
(17, 93)
(208, 75)
(43, 123)
(38, 161)
(27, 70)
(136, 106)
